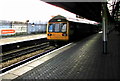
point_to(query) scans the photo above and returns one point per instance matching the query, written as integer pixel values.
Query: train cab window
(64, 28)
(51, 27)
(57, 27)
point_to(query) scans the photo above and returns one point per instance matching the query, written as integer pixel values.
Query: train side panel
(62, 29)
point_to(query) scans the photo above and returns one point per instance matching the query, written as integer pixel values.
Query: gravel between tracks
(15, 60)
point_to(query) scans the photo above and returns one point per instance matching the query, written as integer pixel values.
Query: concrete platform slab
(10, 40)
(8, 77)
(21, 70)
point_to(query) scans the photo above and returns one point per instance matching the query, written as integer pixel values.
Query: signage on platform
(7, 31)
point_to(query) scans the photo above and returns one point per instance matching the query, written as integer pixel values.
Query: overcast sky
(33, 10)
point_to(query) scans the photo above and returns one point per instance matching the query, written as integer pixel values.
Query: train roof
(60, 18)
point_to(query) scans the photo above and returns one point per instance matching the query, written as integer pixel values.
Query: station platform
(82, 60)
(16, 39)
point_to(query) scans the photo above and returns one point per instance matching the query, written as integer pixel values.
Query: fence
(22, 28)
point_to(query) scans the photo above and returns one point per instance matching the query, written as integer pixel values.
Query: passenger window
(64, 28)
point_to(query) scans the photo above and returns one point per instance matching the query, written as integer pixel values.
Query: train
(62, 29)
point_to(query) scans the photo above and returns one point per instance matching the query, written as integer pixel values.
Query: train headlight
(64, 34)
(49, 34)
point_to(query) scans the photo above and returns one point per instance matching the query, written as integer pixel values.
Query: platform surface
(82, 60)
(16, 39)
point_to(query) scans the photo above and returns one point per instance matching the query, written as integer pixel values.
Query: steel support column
(104, 26)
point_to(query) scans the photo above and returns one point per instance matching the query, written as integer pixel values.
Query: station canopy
(82, 8)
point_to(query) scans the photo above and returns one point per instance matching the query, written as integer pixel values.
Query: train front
(57, 29)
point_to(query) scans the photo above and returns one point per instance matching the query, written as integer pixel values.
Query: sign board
(7, 31)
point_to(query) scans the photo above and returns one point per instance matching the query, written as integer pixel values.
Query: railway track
(16, 58)
(9, 56)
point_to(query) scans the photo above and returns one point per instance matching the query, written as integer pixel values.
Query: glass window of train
(64, 28)
(57, 28)
(50, 29)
